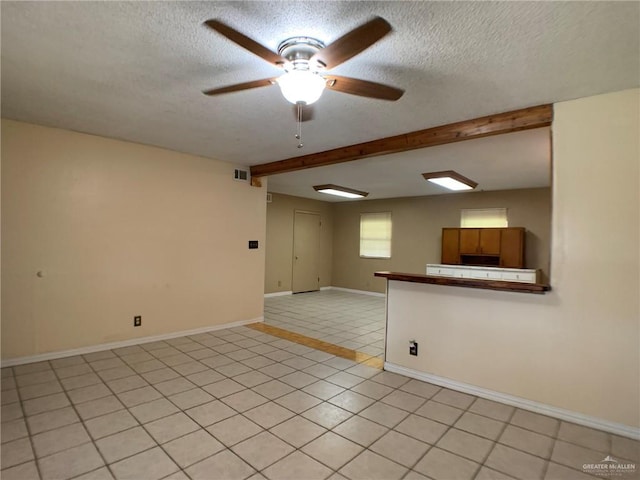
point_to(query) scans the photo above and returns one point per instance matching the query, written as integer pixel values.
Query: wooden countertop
(538, 288)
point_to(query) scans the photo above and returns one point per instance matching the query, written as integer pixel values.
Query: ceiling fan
(305, 61)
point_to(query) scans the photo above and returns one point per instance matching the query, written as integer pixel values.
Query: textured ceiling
(135, 70)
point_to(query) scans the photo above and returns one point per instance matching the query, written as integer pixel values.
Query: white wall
(577, 347)
(120, 229)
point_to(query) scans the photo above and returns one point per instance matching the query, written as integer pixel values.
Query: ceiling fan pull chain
(299, 125)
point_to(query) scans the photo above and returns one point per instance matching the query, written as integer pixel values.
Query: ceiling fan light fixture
(345, 192)
(301, 86)
(450, 180)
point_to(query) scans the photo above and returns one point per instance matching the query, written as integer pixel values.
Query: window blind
(375, 235)
(483, 217)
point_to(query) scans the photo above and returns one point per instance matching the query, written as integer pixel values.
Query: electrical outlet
(413, 348)
(137, 320)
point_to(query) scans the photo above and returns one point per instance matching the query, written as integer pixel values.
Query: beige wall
(120, 229)
(279, 242)
(578, 346)
(417, 232)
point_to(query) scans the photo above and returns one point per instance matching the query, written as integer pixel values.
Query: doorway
(306, 252)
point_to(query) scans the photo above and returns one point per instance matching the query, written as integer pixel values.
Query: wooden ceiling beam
(524, 119)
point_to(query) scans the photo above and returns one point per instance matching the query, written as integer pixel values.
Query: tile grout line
(163, 396)
(496, 441)
(553, 446)
(96, 372)
(26, 424)
(201, 426)
(431, 446)
(449, 428)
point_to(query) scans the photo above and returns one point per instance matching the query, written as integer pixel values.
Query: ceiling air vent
(269, 198)
(241, 175)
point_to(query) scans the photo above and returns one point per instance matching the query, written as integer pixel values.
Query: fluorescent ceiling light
(301, 86)
(340, 191)
(451, 180)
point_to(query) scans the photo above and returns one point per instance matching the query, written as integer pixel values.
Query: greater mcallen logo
(609, 467)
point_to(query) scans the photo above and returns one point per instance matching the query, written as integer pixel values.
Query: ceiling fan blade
(364, 88)
(265, 82)
(246, 42)
(307, 112)
(352, 43)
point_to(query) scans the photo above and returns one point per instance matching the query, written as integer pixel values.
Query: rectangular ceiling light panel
(345, 192)
(450, 180)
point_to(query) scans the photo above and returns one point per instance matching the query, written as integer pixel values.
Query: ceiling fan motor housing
(298, 51)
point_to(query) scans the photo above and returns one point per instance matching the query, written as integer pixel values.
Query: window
(375, 235)
(483, 217)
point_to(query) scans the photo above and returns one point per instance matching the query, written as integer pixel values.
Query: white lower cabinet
(521, 275)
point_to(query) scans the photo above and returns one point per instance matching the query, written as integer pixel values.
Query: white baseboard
(10, 362)
(544, 409)
(351, 290)
(277, 294)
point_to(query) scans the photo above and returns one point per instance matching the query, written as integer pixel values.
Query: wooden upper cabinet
(450, 246)
(480, 241)
(512, 250)
(502, 247)
(469, 241)
(490, 240)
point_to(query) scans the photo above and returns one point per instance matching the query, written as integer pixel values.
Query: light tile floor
(347, 319)
(239, 403)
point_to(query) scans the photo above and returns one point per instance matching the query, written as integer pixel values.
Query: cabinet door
(490, 241)
(469, 241)
(450, 243)
(512, 251)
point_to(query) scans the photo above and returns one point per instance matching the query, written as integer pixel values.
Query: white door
(306, 252)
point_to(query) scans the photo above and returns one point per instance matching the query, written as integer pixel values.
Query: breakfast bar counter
(537, 288)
